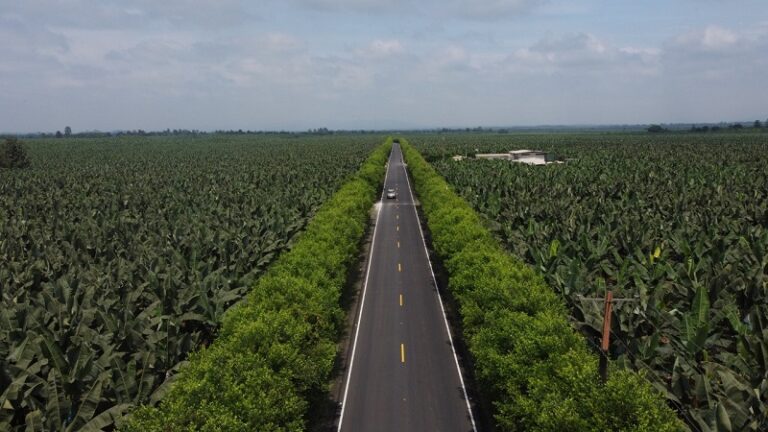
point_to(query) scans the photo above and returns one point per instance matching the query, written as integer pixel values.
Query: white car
(391, 194)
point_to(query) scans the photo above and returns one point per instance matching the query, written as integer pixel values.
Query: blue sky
(299, 64)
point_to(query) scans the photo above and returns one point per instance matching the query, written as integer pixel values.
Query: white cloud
(23, 39)
(364, 6)
(711, 38)
(113, 14)
(281, 43)
(489, 9)
(572, 49)
(461, 9)
(382, 48)
(716, 52)
(579, 42)
(582, 53)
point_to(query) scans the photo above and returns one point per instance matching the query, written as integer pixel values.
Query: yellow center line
(398, 244)
(402, 353)
(399, 267)
(401, 299)
(397, 217)
(398, 227)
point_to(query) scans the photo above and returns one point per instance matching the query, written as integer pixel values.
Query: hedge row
(276, 349)
(529, 362)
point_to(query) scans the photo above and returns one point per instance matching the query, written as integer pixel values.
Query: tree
(757, 124)
(58, 134)
(656, 129)
(67, 131)
(13, 155)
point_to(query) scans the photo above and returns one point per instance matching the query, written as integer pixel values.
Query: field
(119, 256)
(675, 225)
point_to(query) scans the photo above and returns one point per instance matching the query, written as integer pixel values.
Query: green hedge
(529, 362)
(276, 348)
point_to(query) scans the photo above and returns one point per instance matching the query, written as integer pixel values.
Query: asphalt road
(403, 374)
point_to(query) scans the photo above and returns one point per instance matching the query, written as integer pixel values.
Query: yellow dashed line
(402, 353)
(401, 299)
(399, 267)
(398, 244)
(398, 227)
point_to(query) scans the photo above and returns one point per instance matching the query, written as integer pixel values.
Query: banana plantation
(118, 258)
(675, 225)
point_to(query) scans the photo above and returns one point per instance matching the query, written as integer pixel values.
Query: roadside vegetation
(675, 225)
(120, 256)
(535, 369)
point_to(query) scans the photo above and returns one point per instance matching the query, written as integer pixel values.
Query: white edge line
(362, 300)
(440, 298)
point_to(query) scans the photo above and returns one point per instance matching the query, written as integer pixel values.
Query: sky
(378, 64)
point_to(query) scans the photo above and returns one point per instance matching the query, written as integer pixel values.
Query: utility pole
(605, 343)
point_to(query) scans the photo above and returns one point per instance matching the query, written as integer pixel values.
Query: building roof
(521, 152)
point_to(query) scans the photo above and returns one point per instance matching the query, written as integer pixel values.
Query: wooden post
(606, 342)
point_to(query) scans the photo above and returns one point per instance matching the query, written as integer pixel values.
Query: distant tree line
(470, 130)
(186, 132)
(757, 125)
(654, 128)
(717, 128)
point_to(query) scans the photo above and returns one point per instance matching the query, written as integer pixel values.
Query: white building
(530, 157)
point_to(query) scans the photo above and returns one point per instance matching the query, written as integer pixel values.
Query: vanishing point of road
(403, 373)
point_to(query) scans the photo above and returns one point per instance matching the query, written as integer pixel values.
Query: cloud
(715, 52)
(458, 9)
(29, 53)
(262, 44)
(709, 39)
(382, 48)
(570, 49)
(358, 6)
(116, 14)
(183, 63)
(582, 53)
(490, 9)
(29, 39)
(578, 42)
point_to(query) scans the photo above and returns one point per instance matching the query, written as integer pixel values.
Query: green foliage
(119, 257)
(13, 154)
(530, 363)
(277, 347)
(677, 223)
